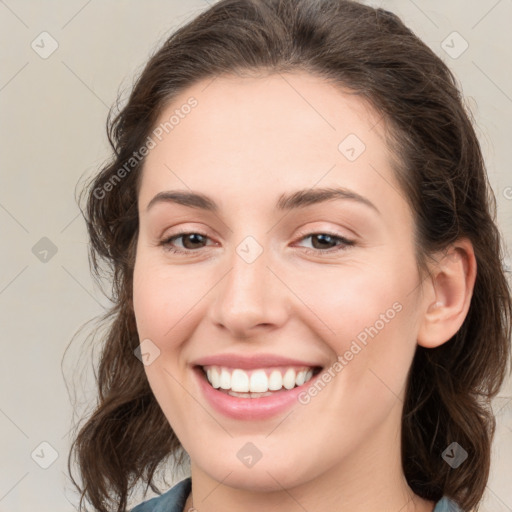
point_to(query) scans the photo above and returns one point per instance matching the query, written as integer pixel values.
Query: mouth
(253, 387)
(257, 382)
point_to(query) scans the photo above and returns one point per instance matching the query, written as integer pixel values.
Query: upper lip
(245, 362)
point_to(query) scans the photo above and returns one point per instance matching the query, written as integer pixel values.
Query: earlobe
(447, 294)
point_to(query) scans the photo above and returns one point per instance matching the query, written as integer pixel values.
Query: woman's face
(277, 281)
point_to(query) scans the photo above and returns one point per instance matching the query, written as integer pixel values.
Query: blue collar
(171, 501)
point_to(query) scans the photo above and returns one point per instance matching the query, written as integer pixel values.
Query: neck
(369, 478)
(231, 500)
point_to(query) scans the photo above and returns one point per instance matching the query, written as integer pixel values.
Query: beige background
(53, 113)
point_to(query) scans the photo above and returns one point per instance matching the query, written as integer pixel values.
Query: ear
(447, 294)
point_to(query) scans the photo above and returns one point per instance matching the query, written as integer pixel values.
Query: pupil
(322, 238)
(195, 238)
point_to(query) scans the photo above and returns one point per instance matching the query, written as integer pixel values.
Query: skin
(248, 141)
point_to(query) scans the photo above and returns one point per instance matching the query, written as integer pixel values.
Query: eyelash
(345, 243)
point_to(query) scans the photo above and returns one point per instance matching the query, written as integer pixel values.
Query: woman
(309, 298)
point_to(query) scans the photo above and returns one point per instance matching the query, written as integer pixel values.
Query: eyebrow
(295, 200)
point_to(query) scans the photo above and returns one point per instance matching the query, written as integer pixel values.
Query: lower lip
(249, 408)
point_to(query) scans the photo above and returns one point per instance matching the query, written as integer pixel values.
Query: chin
(265, 476)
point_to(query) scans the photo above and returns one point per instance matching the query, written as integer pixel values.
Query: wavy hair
(438, 163)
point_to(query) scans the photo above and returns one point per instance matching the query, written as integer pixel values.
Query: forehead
(252, 135)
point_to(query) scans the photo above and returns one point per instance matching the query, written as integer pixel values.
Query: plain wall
(53, 113)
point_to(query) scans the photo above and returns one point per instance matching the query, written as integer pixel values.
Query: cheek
(166, 303)
(348, 300)
(164, 299)
(368, 319)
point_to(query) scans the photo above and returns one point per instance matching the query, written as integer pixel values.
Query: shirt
(174, 500)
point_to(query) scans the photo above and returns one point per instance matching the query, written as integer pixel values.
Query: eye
(191, 241)
(327, 243)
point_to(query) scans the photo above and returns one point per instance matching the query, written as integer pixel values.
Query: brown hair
(441, 171)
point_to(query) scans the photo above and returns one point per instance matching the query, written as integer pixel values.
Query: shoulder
(172, 500)
(447, 505)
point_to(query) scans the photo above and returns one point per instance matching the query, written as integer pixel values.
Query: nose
(250, 298)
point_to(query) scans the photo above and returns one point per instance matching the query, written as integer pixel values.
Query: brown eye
(190, 242)
(326, 243)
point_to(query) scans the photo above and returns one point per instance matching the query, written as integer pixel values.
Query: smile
(259, 390)
(258, 382)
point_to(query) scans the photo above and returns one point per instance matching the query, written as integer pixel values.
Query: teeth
(239, 381)
(289, 378)
(276, 381)
(225, 379)
(214, 378)
(301, 378)
(258, 381)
